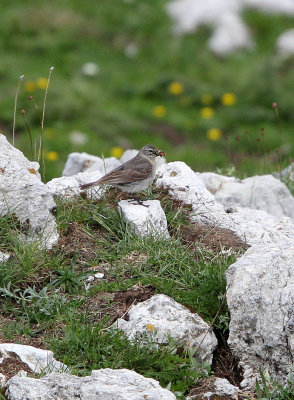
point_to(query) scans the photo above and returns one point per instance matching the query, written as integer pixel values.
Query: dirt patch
(211, 238)
(116, 305)
(77, 241)
(224, 364)
(12, 364)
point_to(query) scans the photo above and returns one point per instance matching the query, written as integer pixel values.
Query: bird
(134, 175)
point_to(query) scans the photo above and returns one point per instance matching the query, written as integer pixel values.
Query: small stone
(144, 220)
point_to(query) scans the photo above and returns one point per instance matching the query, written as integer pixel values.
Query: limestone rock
(4, 257)
(217, 388)
(129, 154)
(258, 192)
(285, 44)
(37, 360)
(260, 298)
(229, 32)
(144, 220)
(121, 384)
(161, 316)
(81, 162)
(252, 226)
(68, 186)
(25, 196)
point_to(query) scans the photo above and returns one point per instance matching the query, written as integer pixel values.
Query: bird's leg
(140, 202)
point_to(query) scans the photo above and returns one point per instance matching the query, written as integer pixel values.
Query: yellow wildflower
(52, 156)
(228, 99)
(214, 134)
(159, 111)
(206, 99)
(207, 112)
(42, 83)
(176, 88)
(150, 327)
(116, 152)
(30, 86)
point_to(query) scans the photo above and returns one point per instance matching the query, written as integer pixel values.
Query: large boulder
(260, 296)
(252, 226)
(258, 192)
(102, 384)
(229, 32)
(24, 196)
(161, 317)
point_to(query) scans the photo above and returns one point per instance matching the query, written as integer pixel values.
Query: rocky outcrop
(161, 317)
(23, 196)
(121, 384)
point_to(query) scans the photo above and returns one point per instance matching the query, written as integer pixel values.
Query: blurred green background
(122, 80)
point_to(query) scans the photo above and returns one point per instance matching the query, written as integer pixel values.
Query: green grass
(115, 108)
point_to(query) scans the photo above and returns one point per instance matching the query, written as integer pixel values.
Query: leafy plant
(270, 389)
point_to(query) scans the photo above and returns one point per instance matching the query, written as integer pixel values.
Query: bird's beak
(160, 153)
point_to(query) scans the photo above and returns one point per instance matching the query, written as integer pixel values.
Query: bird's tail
(88, 185)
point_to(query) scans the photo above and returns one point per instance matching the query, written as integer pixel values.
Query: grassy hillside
(149, 86)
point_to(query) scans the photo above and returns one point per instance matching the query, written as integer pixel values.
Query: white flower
(90, 69)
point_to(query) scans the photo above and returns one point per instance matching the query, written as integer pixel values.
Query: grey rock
(260, 296)
(4, 257)
(252, 226)
(81, 162)
(258, 192)
(144, 220)
(160, 317)
(103, 384)
(68, 186)
(25, 196)
(38, 360)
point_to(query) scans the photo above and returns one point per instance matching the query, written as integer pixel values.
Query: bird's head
(151, 151)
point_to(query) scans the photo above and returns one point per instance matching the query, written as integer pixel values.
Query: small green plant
(270, 389)
(69, 278)
(35, 305)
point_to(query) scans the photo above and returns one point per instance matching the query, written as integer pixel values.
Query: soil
(118, 303)
(12, 364)
(211, 238)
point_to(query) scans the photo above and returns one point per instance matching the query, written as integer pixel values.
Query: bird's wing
(130, 172)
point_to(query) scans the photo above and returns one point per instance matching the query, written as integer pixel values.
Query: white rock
(3, 380)
(128, 155)
(4, 257)
(144, 220)
(104, 165)
(103, 384)
(260, 298)
(78, 162)
(219, 388)
(81, 162)
(287, 174)
(252, 226)
(258, 192)
(161, 316)
(24, 195)
(229, 35)
(229, 31)
(68, 186)
(285, 44)
(272, 6)
(224, 387)
(37, 360)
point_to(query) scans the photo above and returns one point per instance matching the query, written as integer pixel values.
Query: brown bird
(134, 175)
